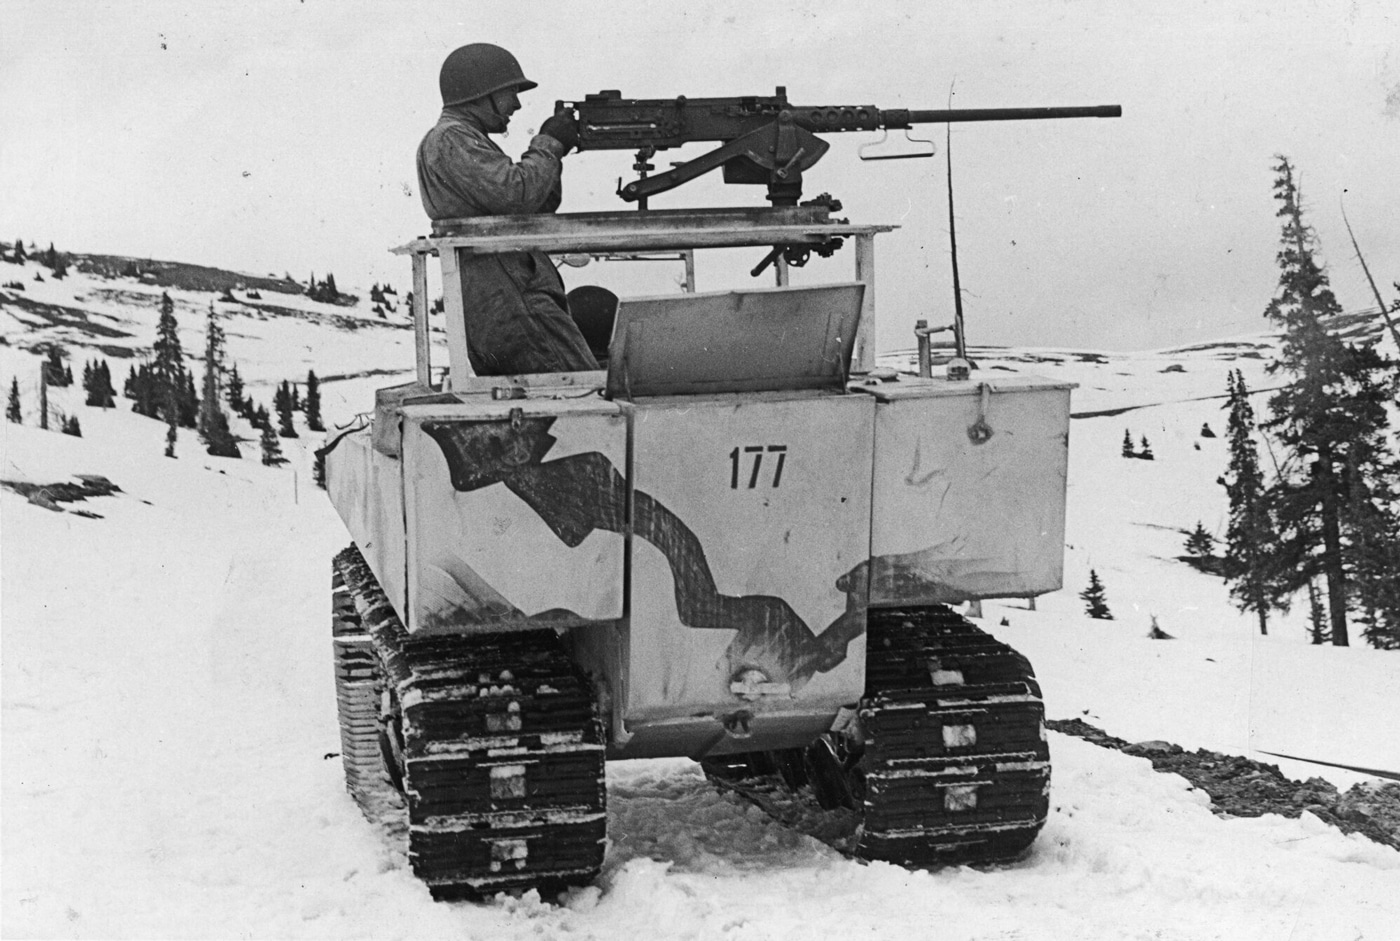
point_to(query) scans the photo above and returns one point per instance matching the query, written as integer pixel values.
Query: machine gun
(765, 139)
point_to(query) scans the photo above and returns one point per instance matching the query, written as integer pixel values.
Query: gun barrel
(1000, 114)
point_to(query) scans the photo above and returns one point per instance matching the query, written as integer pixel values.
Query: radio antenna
(959, 341)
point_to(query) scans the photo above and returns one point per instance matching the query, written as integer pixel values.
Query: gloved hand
(563, 128)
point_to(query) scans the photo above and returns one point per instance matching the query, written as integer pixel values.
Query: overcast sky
(277, 137)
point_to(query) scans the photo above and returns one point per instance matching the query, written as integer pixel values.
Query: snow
(170, 746)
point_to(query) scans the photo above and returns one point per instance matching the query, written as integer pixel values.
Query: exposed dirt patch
(340, 321)
(1240, 787)
(49, 496)
(57, 315)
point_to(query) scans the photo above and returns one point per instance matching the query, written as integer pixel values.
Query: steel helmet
(478, 69)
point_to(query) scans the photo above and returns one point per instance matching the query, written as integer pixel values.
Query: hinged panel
(750, 539)
(969, 493)
(515, 518)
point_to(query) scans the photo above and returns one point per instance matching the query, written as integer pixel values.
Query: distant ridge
(179, 274)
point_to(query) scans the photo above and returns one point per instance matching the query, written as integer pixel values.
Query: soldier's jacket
(516, 311)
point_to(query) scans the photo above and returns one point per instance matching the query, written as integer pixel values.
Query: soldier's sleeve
(504, 187)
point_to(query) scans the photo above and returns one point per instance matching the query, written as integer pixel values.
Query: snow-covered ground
(169, 728)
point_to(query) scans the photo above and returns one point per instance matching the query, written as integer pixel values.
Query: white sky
(279, 136)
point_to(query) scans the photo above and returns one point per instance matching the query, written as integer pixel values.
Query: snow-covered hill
(169, 727)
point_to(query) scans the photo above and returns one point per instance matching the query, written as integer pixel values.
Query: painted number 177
(752, 456)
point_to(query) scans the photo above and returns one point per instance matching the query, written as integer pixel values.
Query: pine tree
(271, 450)
(143, 393)
(213, 423)
(1095, 604)
(1317, 616)
(1128, 450)
(312, 406)
(188, 401)
(58, 374)
(1200, 543)
(168, 370)
(1250, 537)
(259, 417)
(285, 428)
(97, 382)
(1335, 487)
(221, 442)
(1146, 451)
(236, 402)
(12, 409)
(20, 255)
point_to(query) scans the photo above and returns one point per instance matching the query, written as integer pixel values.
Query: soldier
(517, 316)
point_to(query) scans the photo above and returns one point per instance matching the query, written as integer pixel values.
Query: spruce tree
(1317, 616)
(188, 400)
(71, 426)
(1335, 489)
(1251, 539)
(235, 392)
(1128, 450)
(318, 469)
(12, 409)
(213, 423)
(20, 255)
(1095, 603)
(1145, 452)
(312, 406)
(271, 450)
(167, 372)
(58, 374)
(170, 434)
(1200, 543)
(106, 395)
(285, 428)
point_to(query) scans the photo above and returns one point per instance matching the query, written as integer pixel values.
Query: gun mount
(765, 139)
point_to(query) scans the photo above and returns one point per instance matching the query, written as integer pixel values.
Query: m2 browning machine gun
(765, 139)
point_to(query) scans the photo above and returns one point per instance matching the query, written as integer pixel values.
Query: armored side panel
(750, 538)
(969, 489)
(515, 515)
(366, 488)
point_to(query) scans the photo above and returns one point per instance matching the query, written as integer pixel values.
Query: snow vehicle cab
(737, 543)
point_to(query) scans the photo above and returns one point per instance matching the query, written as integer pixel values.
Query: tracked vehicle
(738, 543)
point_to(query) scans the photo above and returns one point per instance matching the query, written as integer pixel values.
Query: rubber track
(975, 793)
(503, 756)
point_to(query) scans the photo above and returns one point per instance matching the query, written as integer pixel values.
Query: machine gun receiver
(764, 139)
